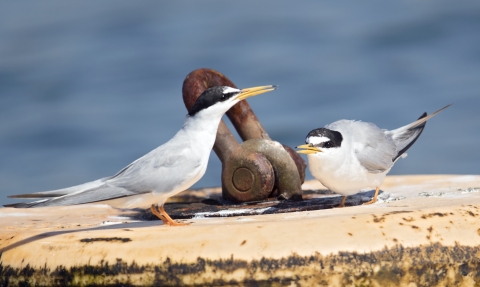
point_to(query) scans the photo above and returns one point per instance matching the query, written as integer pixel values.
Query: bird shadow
(219, 207)
(124, 226)
(361, 197)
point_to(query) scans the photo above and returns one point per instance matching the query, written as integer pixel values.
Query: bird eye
(226, 96)
(328, 144)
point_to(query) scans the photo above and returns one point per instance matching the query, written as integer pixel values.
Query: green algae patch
(428, 265)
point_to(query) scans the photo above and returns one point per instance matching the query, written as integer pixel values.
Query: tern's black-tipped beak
(308, 149)
(254, 91)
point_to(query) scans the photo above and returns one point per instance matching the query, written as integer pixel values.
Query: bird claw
(374, 199)
(176, 223)
(369, 202)
(167, 220)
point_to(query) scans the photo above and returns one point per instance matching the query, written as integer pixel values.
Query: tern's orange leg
(168, 219)
(342, 204)
(374, 197)
(153, 209)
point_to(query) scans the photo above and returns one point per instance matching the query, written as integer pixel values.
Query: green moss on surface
(429, 265)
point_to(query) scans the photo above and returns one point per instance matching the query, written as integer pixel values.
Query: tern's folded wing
(375, 159)
(373, 149)
(162, 170)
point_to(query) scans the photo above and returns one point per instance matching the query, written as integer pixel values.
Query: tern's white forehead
(316, 140)
(230, 90)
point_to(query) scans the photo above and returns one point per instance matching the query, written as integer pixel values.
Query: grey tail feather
(24, 204)
(423, 119)
(62, 191)
(36, 195)
(419, 129)
(102, 193)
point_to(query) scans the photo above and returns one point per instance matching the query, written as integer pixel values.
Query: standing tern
(165, 171)
(347, 156)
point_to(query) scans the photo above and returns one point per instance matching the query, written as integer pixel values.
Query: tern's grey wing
(99, 190)
(373, 149)
(161, 170)
(375, 158)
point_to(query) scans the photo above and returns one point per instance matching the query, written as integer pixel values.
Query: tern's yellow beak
(308, 149)
(250, 92)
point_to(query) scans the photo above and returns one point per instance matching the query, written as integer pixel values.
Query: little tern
(347, 156)
(165, 171)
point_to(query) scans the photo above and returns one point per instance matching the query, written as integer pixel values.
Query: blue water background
(88, 87)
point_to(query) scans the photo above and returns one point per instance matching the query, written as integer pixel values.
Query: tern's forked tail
(404, 137)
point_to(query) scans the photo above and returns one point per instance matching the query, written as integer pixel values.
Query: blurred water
(86, 88)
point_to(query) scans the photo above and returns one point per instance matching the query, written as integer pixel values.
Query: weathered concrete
(424, 232)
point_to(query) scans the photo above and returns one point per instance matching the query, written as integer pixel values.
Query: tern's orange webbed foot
(175, 223)
(369, 202)
(168, 220)
(374, 197)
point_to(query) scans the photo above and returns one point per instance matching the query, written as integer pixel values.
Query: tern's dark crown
(210, 97)
(335, 137)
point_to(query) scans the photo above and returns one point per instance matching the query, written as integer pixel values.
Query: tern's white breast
(343, 175)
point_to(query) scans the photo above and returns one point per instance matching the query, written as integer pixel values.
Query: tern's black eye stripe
(227, 96)
(335, 138)
(210, 97)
